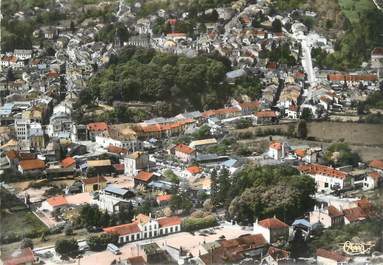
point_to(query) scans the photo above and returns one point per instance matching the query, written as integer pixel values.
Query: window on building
(326, 184)
(171, 229)
(166, 230)
(138, 236)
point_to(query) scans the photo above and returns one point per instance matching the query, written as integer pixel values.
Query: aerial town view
(191, 132)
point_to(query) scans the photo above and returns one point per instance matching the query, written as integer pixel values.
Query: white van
(113, 248)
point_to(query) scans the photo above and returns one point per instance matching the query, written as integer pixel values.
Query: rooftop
(322, 170)
(330, 255)
(272, 223)
(144, 176)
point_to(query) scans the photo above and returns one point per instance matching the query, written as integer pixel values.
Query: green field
(16, 220)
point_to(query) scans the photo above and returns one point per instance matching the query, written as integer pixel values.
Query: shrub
(68, 230)
(26, 243)
(99, 242)
(193, 224)
(66, 247)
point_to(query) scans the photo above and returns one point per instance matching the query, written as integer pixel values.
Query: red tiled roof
(271, 65)
(376, 164)
(32, 164)
(222, 111)
(300, 152)
(334, 212)
(250, 105)
(18, 257)
(342, 77)
(53, 74)
(93, 180)
(194, 170)
(273, 223)
(117, 150)
(278, 254)
(172, 21)
(266, 114)
(122, 230)
(276, 146)
(184, 149)
(67, 162)
(26, 156)
(97, 126)
(144, 176)
(330, 255)
(57, 201)
(176, 34)
(377, 51)
(322, 170)
(169, 221)
(12, 154)
(354, 214)
(375, 175)
(164, 198)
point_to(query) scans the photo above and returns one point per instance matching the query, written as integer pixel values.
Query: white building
(134, 162)
(326, 178)
(144, 227)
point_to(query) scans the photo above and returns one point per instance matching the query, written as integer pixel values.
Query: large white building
(326, 178)
(144, 227)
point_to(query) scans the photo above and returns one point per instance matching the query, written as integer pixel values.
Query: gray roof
(116, 190)
(235, 73)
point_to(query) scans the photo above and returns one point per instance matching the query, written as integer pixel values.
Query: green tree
(26, 243)
(276, 26)
(100, 242)
(68, 230)
(214, 187)
(340, 154)
(66, 247)
(302, 129)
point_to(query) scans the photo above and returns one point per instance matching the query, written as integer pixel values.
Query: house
(328, 217)
(185, 153)
(134, 162)
(68, 162)
(276, 256)
(372, 180)
(60, 202)
(272, 229)
(276, 150)
(247, 108)
(96, 129)
(232, 251)
(232, 165)
(99, 167)
(327, 257)
(163, 199)
(24, 256)
(376, 165)
(51, 204)
(326, 178)
(144, 227)
(93, 184)
(119, 135)
(192, 171)
(144, 178)
(266, 117)
(31, 166)
(113, 199)
(354, 214)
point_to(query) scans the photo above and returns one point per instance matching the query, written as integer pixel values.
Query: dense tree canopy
(146, 75)
(340, 154)
(261, 192)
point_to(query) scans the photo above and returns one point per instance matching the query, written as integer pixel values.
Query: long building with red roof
(326, 178)
(144, 227)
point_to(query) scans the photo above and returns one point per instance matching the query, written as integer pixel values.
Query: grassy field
(16, 218)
